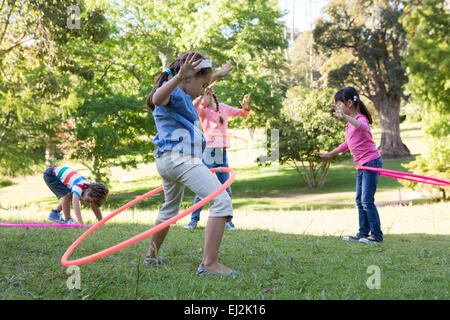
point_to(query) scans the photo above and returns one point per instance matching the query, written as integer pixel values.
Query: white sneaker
(230, 226)
(70, 221)
(191, 225)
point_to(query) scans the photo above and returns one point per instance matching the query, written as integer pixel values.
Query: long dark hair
(350, 93)
(174, 69)
(217, 108)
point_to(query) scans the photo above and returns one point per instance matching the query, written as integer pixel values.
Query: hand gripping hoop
(144, 234)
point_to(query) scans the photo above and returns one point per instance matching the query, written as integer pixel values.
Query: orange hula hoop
(145, 234)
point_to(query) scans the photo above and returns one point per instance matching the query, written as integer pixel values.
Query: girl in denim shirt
(180, 145)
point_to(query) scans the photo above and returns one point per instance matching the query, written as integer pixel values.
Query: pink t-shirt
(360, 142)
(214, 131)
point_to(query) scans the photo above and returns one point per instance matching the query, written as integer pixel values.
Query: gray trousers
(178, 170)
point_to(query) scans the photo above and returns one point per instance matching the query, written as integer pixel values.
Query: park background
(73, 84)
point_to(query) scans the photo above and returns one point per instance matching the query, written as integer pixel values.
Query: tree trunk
(50, 158)
(391, 145)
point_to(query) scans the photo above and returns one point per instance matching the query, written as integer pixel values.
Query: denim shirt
(178, 126)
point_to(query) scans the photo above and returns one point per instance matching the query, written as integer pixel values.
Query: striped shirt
(74, 181)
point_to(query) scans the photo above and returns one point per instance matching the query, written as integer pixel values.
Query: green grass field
(288, 243)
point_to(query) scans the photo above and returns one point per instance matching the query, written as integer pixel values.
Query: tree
(108, 130)
(35, 77)
(250, 33)
(306, 63)
(428, 64)
(372, 32)
(307, 126)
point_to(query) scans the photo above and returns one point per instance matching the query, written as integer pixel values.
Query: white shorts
(179, 170)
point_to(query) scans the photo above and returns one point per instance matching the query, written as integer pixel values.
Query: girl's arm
(341, 115)
(329, 154)
(244, 104)
(97, 212)
(244, 112)
(162, 95)
(352, 121)
(187, 70)
(223, 72)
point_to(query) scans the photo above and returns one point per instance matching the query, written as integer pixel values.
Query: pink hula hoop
(144, 234)
(403, 175)
(43, 225)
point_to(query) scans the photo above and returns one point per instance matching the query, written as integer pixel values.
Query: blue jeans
(213, 158)
(366, 186)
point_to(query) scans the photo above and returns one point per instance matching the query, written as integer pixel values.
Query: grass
(293, 255)
(286, 247)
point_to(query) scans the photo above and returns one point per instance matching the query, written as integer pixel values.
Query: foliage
(306, 63)
(249, 33)
(307, 126)
(35, 77)
(109, 130)
(428, 63)
(52, 74)
(370, 32)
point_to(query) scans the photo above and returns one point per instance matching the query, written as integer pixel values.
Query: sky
(302, 8)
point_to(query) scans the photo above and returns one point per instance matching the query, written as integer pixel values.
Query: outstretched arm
(329, 154)
(97, 212)
(341, 115)
(226, 69)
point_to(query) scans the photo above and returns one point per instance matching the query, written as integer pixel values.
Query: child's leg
(209, 161)
(221, 161)
(369, 187)
(195, 216)
(223, 177)
(202, 181)
(64, 205)
(213, 238)
(173, 195)
(364, 227)
(156, 241)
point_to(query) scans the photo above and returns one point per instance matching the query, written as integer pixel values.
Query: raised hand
(244, 102)
(323, 154)
(226, 69)
(187, 67)
(338, 111)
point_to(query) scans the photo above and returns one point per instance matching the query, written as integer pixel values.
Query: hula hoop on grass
(403, 175)
(43, 225)
(144, 234)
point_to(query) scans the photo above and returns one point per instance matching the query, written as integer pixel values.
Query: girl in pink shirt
(214, 119)
(358, 139)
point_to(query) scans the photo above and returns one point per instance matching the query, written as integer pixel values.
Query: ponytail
(350, 93)
(363, 109)
(217, 108)
(173, 70)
